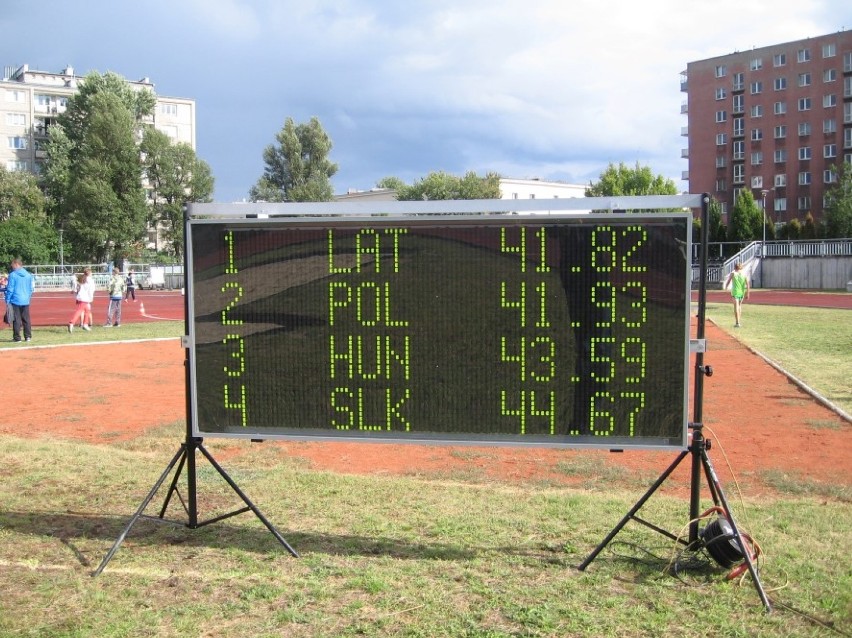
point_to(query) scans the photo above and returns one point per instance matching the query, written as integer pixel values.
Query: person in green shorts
(738, 281)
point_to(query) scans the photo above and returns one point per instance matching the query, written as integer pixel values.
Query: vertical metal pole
(697, 444)
(192, 442)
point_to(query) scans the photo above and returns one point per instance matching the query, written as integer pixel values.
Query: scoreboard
(555, 329)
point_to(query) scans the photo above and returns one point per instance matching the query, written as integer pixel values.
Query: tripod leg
(246, 500)
(180, 453)
(582, 566)
(717, 488)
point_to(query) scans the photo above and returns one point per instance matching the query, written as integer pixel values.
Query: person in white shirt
(85, 289)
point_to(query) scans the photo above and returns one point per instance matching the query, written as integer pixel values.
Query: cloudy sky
(555, 89)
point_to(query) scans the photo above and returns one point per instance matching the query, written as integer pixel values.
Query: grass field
(380, 556)
(400, 556)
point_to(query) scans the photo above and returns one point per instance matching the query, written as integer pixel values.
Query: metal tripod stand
(697, 450)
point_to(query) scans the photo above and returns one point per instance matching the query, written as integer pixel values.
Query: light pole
(763, 244)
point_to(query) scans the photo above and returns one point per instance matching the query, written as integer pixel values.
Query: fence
(61, 276)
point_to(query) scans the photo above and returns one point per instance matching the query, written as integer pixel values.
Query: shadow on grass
(71, 527)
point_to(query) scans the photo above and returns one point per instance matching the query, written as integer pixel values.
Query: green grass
(58, 335)
(380, 556)
(813, 344)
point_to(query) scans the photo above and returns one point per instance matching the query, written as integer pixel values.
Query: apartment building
(30, 102)
(776, 120)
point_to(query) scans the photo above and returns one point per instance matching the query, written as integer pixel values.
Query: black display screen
(559, 330)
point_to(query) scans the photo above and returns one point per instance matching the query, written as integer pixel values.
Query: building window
(829, 176)
(739, 150)
(739, 127)
(739, 174)
(738, 103)
(804, 178)
(721, 71)
(721, 161)
(829, 150)
(804, 203)
(721, 139)
(738, 83)
(780, 84)
(803, 55)
(757, 181)
(847, 86)
(780, 108)
(721, 185)
(721, 94)
(779, 59)
(756, 64)
(829, 75)
(780, 180)
(168, 108)
(804, 129)
(721, 116)
(847, 62)
(847, 138)
(829, 101)
(780, 155)
(804, 152)
(780, 204)
(18, 143)
(756, 87)
(756, 134)
(804, 104)
(16, 96)
(757, 158)
(804, 79)
(847, 112)
(16, 165)
(16, 119)
(780, 131)
(829, 125)
(757, 110)
(829, 50)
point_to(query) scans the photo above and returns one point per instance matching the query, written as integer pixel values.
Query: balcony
(684, 131)
(684, 176)
(684, 107)
(684, 153)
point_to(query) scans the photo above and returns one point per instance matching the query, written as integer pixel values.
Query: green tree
(392, 183)
(791, 230)
(297, 168)
(809, 230)
(24, 228)
(746, 219)
(175, 175)
(93, 175)
(717, 232)
(838, 212)
(441, 185)
(621, 180)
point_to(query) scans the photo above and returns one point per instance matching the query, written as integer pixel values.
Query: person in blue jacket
(19, 289)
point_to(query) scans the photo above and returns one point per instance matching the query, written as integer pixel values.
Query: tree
(176, 175)
(717, 230)
(809, 230)
(621, 180)
(391, 183)
(440, 185)
(838, 213)
(746, 220)
(24, 229)
(298, 168)
(93, 177)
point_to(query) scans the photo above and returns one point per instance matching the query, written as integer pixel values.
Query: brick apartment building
(776, 120)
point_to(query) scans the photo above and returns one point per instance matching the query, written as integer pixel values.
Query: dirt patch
(767, 425)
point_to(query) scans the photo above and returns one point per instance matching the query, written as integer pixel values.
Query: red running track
(812, 299)
(56, 308)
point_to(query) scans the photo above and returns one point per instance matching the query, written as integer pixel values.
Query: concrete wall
(814, 273)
